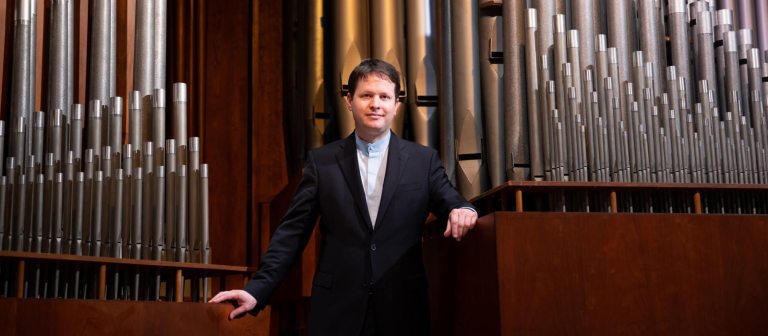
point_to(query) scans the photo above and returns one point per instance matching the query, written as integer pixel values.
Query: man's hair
(374, 66)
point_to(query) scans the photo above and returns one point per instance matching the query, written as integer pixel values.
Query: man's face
(373, 106)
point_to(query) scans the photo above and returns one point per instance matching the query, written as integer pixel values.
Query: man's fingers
(221, 297)
(237, 312)
(447, 232)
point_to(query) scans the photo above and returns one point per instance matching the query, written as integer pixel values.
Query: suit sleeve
(443, 196)
(289, 239)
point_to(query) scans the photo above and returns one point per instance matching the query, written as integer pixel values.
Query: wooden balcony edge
(209, 269)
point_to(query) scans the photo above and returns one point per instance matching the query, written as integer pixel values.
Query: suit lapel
(347, 159)
(396, 159)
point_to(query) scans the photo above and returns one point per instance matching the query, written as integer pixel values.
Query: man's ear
(349, 101)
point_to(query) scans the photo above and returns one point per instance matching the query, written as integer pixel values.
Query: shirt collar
(376, 147)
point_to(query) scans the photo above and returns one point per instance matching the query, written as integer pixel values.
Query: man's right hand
(245, 302)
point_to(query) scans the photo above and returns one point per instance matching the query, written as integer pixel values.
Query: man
(372, 192)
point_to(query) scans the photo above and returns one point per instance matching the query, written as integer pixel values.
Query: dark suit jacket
(359, 262)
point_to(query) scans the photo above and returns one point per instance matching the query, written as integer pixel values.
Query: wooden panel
(225, 132)
(638, 274)
(463, 290)
(612, 274)
(269, 162)
(93, 317)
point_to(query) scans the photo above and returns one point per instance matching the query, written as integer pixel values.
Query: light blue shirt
(372, 160)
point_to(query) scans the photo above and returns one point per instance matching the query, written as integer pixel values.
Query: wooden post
(697, 203)
(519, 200)
(102, 282)
(614, 206)
(20, 280)
(179, 283)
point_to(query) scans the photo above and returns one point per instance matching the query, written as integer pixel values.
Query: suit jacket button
(373, 247)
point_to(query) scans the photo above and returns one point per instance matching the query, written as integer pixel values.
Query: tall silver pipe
(755, 81)
(547, 128)
(116, 124)
(76, 132)
(468, 121)
(560, 58)
(574, 58)
(143, 66)
(127, 221)
(586, 19)
(388, 43)
(316, 119)
(181, 215)
(621, 23)
(533, 88)
(422, 73)
(205, 223)
(19, 211)
(147, 206)
(732, 6)
(158, 120)
(351, 38)
(158, 239)
(205, 214)
(38, 136)
(107, 200)
(56, 135)
(59, 61)
(601, 70)
(180, 118)
(17, 140)
(134, 118)
(32, 74)
(648, 24)
(8, 215)
(48, 194)
(67, 201)
(2, 149)
(76, 245)
(3, 207)
(57, 233)
(112, 67)
(705, 65)
(445, 99)
(170, 201)
(679, 43)
(492, 98)
(746, 13)
(70, 57)
(545, 11)
(745, 42)
(96, 216)
(761, 25)
(29, 214)
(515, 100)
(94, 126)
(724, 24)
(99, 72)
(89, 171)
(137, 202)
(193, 173)
(732, 73)
(159, 34)
(22, 73)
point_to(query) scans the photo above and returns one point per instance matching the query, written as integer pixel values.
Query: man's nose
(375, 102)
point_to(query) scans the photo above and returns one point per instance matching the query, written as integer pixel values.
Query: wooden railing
(625, 197)
(40, 275)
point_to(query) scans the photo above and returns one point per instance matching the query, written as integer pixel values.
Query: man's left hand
(460, 221)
